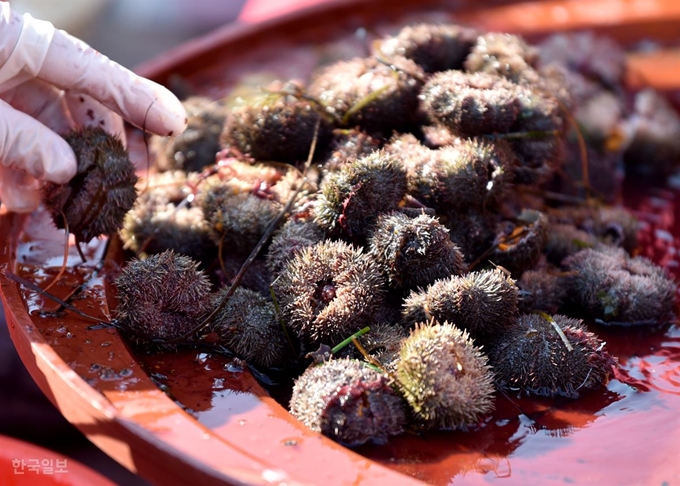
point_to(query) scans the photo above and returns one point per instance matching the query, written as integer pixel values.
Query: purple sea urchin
(348, 402)
(535, 358)
(444, 377)
(161, 298)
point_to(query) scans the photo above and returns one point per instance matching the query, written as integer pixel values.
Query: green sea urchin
(444, 377)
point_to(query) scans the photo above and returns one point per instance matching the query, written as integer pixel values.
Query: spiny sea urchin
(196, 147)
(482, 303)
(466, 176)
(329, 290)
(276, 126)
(471, 104)
(444, 377)
(534, 357)
(162, 220)
(522, 243)
(295, 234)
(237, 218)
(351, 200)
(365, 92)
(414, 252)
(503, 54)
(95, 201)
(434, 47)
(348, 402)
(161, 298)
(608, 284)
(248, 325)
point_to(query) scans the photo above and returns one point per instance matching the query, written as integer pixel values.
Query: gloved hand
(50, 83)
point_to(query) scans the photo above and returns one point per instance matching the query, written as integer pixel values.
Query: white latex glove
(51, 82)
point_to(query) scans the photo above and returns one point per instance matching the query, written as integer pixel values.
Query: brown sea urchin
(95, 201)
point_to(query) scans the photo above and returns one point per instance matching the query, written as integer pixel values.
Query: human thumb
(29, 146)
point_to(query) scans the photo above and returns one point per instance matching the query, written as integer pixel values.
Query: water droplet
(233, 367)
(241, 422)
(106, 344)
(109, 375)
(125, 372)
(94, 367)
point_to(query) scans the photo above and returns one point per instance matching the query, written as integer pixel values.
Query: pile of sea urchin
(433, 213)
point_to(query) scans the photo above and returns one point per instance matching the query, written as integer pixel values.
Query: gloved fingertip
(167, 116)
(60, 163)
